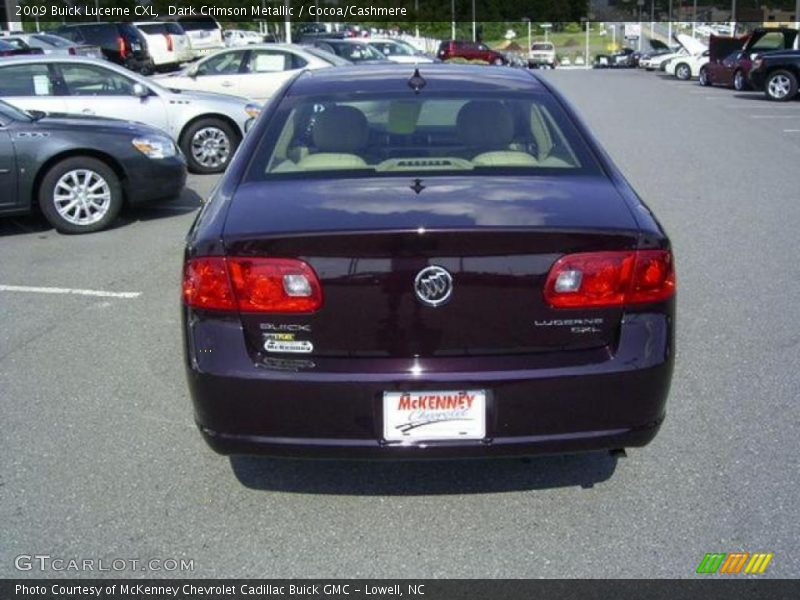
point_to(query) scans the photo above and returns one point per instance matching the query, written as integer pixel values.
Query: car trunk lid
(368, 239)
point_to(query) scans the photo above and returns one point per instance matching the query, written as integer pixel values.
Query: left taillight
(268, 285)
(607, 279)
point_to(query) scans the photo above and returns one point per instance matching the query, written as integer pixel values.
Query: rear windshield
(336, 61)
(162, 28)
(438, 133)
(103, 35)
(52, 40)
(355, 51)
(199, 24)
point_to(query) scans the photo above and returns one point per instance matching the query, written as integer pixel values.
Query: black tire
(80, 164)
(777, 82)
(683, 72)
(209, 165)
(498, 62)
(703, 77)
(739, 81)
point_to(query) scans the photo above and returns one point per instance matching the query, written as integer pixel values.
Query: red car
(470, 51)
(730, 59)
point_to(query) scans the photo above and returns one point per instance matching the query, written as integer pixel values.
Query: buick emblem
(433, 286)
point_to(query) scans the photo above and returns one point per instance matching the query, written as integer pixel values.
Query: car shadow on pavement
(189, 201)
(757, 96)
(419, 478)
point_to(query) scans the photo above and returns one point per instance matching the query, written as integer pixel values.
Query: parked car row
(766, 60)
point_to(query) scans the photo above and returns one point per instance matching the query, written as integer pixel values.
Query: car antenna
(417, 81)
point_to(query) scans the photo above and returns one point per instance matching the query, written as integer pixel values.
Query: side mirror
(37, 115)
(192, 71)
(140, 90)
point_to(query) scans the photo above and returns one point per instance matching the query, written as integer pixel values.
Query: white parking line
(797, 116)
(77, 292)
(791, 131)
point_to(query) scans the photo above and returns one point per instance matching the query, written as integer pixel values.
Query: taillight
(206, 284)
(169, 42)
(123, 51)
(598, 279)
(272, 285)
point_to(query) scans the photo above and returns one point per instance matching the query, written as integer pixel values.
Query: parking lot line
(791, 131)
(797, 116)
(77, 292)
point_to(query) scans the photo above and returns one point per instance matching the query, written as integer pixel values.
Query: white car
(53, 44)
(542, 54)
(688, 46)
(687, 67)
(254, 72)
(241, 37)
(399, 51)
(205, 34)
(167, 43)
(207, 127)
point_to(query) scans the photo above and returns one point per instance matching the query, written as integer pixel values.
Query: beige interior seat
(544, 141)
(489, 124)
(339, 132)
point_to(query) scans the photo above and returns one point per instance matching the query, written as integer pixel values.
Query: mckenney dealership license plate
(447, 415)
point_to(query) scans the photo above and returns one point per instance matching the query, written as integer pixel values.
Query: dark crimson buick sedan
(434, 264)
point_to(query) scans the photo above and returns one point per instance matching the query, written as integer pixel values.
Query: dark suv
(121, 43)
(470, 51)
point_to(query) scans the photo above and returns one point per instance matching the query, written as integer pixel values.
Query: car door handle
(5, 171)
(87, 111)
(227, 84)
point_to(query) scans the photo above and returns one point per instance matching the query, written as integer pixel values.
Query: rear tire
(781, 86)
(703, 77)
(683, 72)
(498, 62)
(80, 195)
(209, 145)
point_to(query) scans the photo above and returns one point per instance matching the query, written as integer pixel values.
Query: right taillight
(604, 279)
(257, 284)
(123, 50)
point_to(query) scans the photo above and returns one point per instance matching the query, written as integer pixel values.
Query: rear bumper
(332, 408)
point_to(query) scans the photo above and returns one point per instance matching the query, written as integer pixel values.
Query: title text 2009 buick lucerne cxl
(434, 264)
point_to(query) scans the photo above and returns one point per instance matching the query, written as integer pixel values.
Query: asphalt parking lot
(101, 458)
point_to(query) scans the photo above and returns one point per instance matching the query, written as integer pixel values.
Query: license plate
(434, 415)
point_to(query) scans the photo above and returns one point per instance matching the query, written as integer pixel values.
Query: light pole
(587, 44)
(416, 19)
(733, 18)
(528, 21)
(474, 27)
(797, 15)
(694, 18)
(669, 30)
(652, 19)
(453, 20)
(546, 27)
(287, 23)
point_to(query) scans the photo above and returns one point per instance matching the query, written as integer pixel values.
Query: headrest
(340, 129)
(486, 124)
